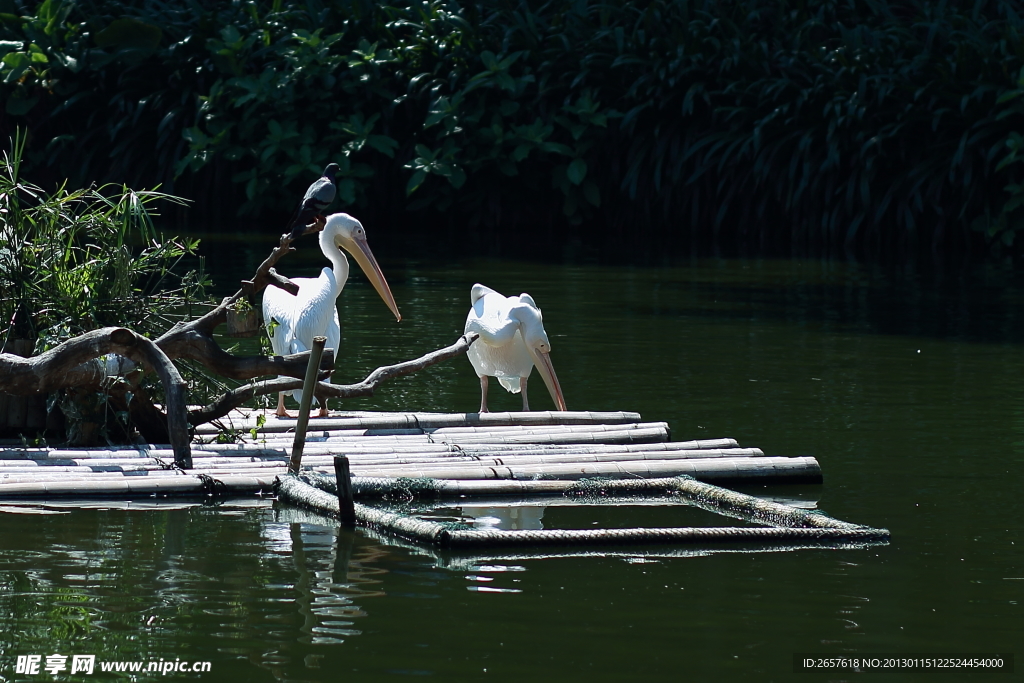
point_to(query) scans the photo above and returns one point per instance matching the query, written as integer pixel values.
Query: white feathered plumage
(512, 342)
(293, 321)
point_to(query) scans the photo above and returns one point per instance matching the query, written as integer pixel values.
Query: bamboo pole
(654, 434)
(307, 400)
(157, 475)
(261, 450)
(379, 462)
(480, 433)
(64, 505)
(458, 433)
(374, 487)
(717, 468)
(115, 483)
(799, 468)
(516, 460)
(371, 446)
(377, 420)
(141, 486)
(325, 440)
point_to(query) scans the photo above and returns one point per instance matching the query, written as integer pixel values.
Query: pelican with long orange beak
(512, 341)
(293, 321)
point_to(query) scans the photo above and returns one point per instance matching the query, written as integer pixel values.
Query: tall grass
(77, 260)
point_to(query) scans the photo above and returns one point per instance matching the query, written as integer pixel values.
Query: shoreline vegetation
(807, 128)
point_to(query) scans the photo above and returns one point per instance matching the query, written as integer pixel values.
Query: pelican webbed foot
(281, 412)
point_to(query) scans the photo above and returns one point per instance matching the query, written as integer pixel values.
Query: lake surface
(905, 384)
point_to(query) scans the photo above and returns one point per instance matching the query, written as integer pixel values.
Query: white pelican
(512, 340)
(293, 321)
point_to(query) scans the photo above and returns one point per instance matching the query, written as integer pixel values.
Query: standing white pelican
(512, 340)
(293, 321)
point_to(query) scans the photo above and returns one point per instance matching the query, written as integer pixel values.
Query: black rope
(211, 486)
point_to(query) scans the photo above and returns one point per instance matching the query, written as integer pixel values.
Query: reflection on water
(904, 385)
(509, 517)
(248, 580)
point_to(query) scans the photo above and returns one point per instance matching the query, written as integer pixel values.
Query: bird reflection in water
(520, 517)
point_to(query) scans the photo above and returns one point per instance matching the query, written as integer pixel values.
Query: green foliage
(1004, 226)
(74, 261)
(828, 124)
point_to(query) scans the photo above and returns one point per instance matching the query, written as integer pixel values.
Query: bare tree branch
(68, 365)
(235, 398)
(278, 280)
(194, 339)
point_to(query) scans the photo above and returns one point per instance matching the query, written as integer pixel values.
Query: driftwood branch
(278, 280)
(194, 339)
(69, 365)
(200, 346)
(387, 372)
(175, 398)
(237, 397)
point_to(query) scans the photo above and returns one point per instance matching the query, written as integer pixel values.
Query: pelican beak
(542, 360)
(360, 251)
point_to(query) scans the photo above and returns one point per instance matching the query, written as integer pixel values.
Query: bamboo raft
(408, 456)
(473, 453)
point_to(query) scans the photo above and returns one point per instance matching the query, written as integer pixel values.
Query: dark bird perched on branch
(318, 197)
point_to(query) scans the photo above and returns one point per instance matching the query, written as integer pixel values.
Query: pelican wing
(478, 291)
(278, 316)
(313, 312)
(500, 351)
(490, 316)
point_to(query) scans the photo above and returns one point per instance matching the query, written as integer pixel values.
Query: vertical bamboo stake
(346, 505)
(307, 400)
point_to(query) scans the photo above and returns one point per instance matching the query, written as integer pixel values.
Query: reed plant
(77, 260)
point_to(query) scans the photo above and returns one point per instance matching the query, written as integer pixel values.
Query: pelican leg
(483, 394)
(281, 412)
(324, 412)
(522, 390)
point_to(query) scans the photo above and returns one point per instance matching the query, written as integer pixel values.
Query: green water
(904, 384)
